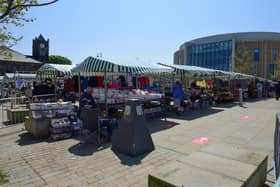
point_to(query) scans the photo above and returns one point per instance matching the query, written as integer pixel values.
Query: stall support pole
(106, 93)
(55, 88)
(173, 79)
(164, 99)
(79, 84)
(229, 86)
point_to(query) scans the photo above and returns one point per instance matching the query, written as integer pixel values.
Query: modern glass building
(216, 55)
(258, 50)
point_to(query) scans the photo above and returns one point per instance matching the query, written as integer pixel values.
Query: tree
(243, 60)
(12, 12)
(56, 59)
(276, 74)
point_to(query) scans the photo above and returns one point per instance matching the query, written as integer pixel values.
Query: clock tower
(40, 49)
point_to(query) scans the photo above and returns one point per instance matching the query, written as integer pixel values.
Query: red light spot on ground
(245, 117)
(200, 140)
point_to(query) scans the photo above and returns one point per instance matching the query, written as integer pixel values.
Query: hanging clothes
(69, 86)
(84, 83)
(76, 83)
(100, 81)
(113, 85)
(122, 81)
(143, 82)
(93, 82)
(134, 81)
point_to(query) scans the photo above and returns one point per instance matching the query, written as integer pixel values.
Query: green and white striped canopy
(195, 70)
(55, 69)
(95, 65)
(192, 70)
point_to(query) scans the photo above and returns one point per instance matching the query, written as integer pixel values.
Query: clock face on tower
(42, 46)
(40, 49)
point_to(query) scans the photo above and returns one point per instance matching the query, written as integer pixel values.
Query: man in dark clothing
(87, 99)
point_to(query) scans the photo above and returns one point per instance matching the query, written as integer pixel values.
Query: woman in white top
(28, 91)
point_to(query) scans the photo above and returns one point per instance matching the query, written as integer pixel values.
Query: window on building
(256, 54)
(275, 54)
(178, 60)
(271, 69)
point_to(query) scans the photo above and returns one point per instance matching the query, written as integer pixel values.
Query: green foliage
(56, 59)
(276, 75)
(243, 62)
(3, 178)
(12, 13)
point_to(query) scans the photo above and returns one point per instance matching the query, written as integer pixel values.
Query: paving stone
(222, 166)
(52, 160)
(235, 152)
(180, 174)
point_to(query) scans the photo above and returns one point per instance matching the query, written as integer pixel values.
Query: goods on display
(63, 128)
(61, 116)
(121, 96)
(51, 110)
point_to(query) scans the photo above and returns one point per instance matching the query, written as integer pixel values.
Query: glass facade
(275, 54)
(216, 55)
(271, 69)
(256, 54)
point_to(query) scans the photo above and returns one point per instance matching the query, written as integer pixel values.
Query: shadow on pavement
(157, 125)
(194, 114)
(86, 149)
(226, 105)
(130, 161)
(26, 138)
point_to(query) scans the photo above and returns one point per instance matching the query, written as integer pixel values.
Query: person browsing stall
(87, 99)
(178, 95)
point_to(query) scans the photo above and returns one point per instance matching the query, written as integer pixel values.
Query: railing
(11, 103)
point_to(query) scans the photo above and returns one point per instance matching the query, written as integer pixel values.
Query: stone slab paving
(29, 162)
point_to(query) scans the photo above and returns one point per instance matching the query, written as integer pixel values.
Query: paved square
(29, 162)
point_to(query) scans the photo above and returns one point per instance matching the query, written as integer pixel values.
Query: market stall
(214, 85)
(62, 80)
(55, 120)
(121, 82)
(197, 83)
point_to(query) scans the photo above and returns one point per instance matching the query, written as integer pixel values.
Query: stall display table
(54, 120)
(37, 127)
(153, 109)
(17, 115)
(225, 97)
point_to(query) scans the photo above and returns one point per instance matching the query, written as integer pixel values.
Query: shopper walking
(260, 89)
(28, 92)
(240, 96)
(178, 96)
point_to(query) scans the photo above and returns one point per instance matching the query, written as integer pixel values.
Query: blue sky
(141, 30)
